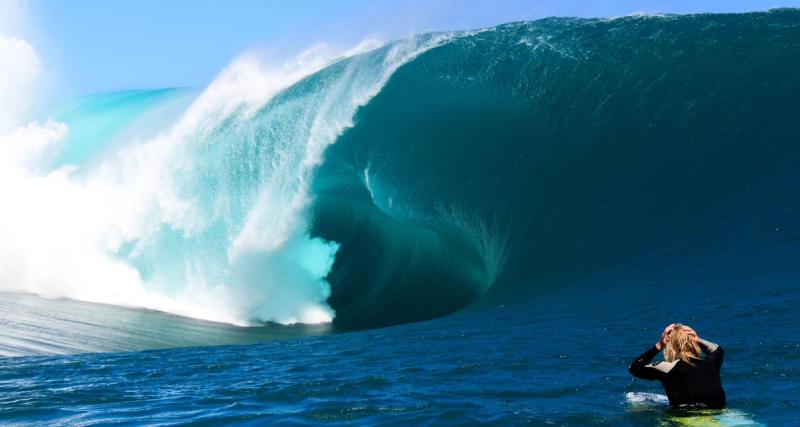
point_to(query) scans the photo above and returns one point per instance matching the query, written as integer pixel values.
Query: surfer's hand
(664, 337)
(691, 333)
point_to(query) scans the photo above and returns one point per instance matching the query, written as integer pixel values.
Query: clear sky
(102, 45)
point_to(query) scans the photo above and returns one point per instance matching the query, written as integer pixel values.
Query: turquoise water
(94, 120)
(495, 223)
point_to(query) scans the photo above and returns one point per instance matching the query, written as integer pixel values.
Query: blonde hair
(681, 345)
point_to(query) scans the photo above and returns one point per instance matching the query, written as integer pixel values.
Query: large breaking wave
(404, 182)
(136, 199)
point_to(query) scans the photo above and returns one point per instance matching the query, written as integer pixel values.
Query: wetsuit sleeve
(640, 369)
(713, 351)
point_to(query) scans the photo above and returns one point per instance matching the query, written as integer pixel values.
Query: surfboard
(728, 417)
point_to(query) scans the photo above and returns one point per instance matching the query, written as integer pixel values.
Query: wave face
(526, 157)
(409, 181)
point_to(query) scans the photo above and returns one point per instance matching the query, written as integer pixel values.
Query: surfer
(689, 379)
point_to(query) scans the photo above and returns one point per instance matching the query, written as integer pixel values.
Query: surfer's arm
(713, 351)
(640, 367)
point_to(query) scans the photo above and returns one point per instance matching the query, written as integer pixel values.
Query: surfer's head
(681, 345)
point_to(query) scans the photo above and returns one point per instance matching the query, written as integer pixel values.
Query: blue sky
(102, 45)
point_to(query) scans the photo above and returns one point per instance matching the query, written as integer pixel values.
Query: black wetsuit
(686, 385)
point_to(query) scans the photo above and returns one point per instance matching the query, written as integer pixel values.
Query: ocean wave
(407, 181)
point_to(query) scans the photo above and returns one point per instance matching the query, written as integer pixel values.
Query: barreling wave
(408, 181)
(534, 155)
(185, 203)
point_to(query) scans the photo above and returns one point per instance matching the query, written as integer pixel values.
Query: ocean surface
(455, 228)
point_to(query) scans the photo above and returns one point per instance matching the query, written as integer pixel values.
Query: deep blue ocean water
(554, 360)
(498, 222)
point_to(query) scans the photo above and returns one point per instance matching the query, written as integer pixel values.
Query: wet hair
(681, 345)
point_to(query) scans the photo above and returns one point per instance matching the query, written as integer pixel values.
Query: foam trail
(206, 219)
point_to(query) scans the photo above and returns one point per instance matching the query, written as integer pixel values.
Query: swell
(579, 147)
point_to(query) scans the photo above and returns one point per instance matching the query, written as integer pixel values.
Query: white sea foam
(158, 223)
(19, 69)
(643, 397)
